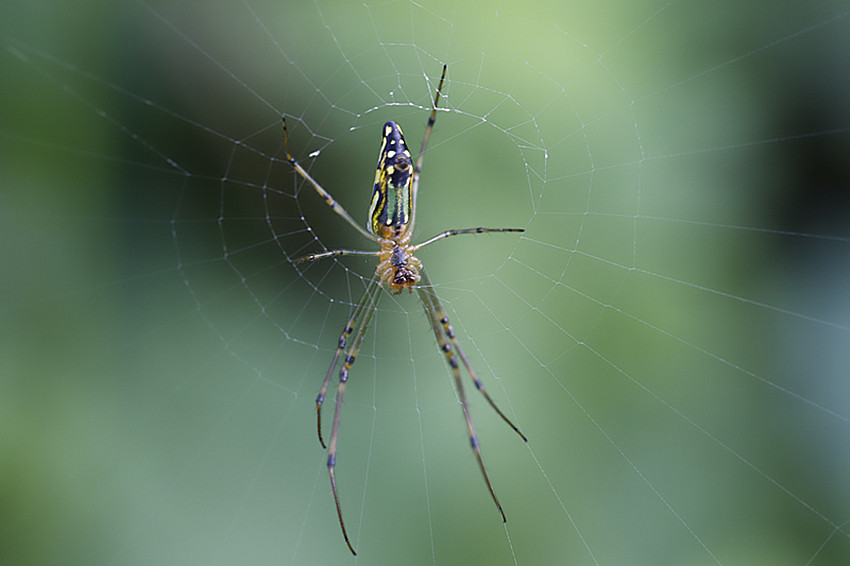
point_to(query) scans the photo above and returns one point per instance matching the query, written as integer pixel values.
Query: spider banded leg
(366, 308)
(414, 189)
(430, 303)
(367, 298)
(449, 233)
(446, 340)
(448, 332)
(329, 200)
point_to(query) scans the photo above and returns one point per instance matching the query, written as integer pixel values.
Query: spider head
(398, 269)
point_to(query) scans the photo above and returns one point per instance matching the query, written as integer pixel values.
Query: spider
(392, 214)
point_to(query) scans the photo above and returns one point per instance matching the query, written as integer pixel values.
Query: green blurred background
(670, 332)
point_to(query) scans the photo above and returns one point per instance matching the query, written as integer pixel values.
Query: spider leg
(425, 137)
(334, 253)
(448, 332)
(446, 340)
(367, 307)
(368, 297)
(329, 200)
(449, 233)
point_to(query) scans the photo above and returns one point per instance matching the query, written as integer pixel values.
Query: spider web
(670, 330)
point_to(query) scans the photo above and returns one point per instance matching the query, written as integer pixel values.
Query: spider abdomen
(391, 206)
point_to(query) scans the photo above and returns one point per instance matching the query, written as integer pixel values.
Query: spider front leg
(368, 298)
(447, 341)
(363, 311)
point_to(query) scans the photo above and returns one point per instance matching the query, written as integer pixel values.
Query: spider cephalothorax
(398, 269)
